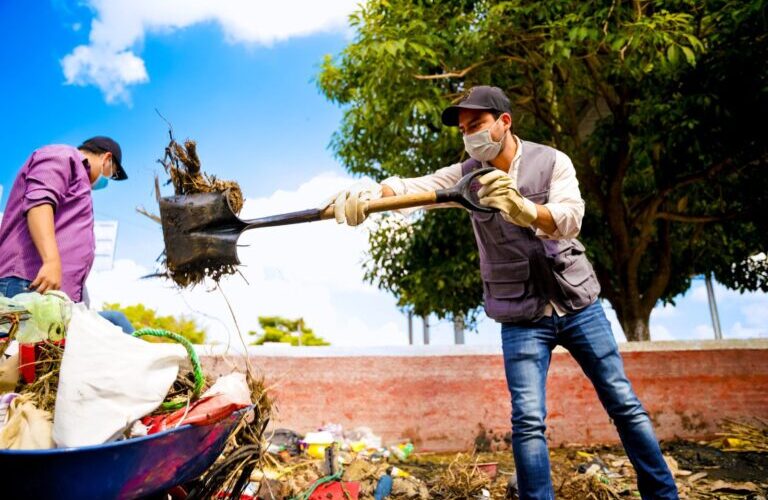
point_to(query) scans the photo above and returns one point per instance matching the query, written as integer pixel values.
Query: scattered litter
(737, 488)
(743, 436)
(317, 442)
(383, 486)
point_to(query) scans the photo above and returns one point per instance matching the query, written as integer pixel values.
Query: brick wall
(444, 397)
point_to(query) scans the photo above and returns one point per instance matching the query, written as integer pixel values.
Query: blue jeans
(11, 286)
(587, 335)
(118, 318)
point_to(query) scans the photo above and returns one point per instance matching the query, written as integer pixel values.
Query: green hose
(322, 480)
(197, 369)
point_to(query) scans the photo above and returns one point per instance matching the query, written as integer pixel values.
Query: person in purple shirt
(46, 236)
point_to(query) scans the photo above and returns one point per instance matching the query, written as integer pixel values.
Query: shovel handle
(392, 203)
(461, 194)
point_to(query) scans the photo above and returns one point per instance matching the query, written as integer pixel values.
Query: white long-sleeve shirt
(564, 202)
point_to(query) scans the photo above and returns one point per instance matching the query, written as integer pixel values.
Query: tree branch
(678, 217)
(609, 94)
(462, 73)
(701, 175)
(143, 211)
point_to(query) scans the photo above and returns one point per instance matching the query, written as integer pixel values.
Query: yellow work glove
(500, 191)
(350, 205)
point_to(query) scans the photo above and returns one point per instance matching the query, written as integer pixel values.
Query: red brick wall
(442, 397)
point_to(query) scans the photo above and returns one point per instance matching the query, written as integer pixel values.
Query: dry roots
(244, 451)
(588, 487)
(460, 480)
(43, 389)
(182, 165)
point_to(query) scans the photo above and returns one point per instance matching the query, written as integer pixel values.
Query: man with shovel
(538, 283)
(46, 237)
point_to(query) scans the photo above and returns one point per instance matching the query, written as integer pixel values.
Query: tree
(654, 101)
(289, 331)
(141, 316)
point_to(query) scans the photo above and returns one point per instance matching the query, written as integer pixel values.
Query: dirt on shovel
(184, 169)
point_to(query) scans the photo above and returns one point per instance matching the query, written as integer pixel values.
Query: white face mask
(481, 146)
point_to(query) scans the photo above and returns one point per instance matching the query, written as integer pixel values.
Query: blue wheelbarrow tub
(132, 468)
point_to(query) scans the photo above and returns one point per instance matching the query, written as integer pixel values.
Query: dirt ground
(700, 471)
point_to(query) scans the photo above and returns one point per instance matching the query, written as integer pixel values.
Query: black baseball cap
(103, 143)
(481, 97)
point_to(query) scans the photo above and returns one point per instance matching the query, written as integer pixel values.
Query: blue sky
(238, 78)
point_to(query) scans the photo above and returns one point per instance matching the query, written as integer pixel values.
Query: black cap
(481, 97)
(103, 143)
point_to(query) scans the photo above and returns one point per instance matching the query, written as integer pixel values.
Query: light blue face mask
(100, 183)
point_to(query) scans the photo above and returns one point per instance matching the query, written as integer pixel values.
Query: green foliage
(278, 329)
(658, 103)
(141, 316)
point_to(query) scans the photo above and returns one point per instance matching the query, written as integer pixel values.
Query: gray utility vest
(521, 272)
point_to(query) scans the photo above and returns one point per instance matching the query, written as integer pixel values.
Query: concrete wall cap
(463, 350)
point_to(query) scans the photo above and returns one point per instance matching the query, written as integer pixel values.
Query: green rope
(197, 369)
(322, 480)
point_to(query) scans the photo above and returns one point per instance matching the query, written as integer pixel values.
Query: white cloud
(310, 270)
(702, 332)
(739, 331)
(663, 311)
(661, 332)
(110, 62)
(111, 71)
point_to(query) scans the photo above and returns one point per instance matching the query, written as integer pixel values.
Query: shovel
(201, 230)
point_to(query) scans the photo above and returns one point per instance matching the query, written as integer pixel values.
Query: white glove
(499, 191)
(351, 205)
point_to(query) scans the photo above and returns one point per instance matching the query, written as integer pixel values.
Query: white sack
(108, 380)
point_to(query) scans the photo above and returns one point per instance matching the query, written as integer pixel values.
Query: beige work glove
(500, 191)
(350, 205)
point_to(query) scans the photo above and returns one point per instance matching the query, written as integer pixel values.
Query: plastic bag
(9, 373)
(108, 380)
(27, 428)
(228, 394)
(50, 314)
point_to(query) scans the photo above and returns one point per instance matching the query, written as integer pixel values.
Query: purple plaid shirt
(57, 175)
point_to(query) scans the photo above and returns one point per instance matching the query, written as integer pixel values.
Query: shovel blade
(200, 231)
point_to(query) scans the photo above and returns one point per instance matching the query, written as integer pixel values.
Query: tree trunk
(635, 325)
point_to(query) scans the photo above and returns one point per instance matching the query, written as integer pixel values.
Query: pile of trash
(332, 462)
(71, 379)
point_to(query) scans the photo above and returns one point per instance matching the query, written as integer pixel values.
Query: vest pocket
(578, 281)
(506, 280)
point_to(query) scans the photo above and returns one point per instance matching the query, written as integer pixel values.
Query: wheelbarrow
(128, 469)
(201, 230)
